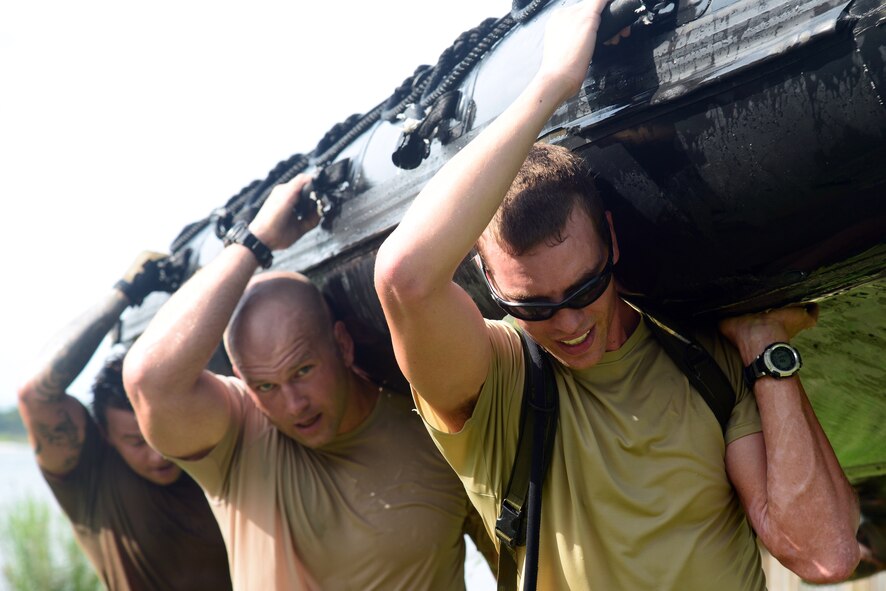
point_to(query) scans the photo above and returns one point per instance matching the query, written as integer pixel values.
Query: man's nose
(568, 320)
(296, 402)
(156, 459)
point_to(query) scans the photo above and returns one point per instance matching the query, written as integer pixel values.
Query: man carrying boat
(319, 478)
(143, 524)
(644, 490)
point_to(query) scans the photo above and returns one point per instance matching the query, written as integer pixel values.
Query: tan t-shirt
(377, 508)
(637, 496)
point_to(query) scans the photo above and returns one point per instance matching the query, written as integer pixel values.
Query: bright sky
(121, 122)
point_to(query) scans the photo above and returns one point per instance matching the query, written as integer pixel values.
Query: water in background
(21, 478)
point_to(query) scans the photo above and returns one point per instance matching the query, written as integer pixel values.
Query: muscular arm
(56, 422)
(787, 477)
(183, 409)
(426, 311)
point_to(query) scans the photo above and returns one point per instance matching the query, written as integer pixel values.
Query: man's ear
(344, 342)
(614, 238)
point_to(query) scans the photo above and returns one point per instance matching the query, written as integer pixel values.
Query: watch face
(782, 359)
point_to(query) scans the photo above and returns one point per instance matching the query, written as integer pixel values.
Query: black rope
(460, 70)
(523, 11)
(353, 133)
(409, 92)
(424, 87)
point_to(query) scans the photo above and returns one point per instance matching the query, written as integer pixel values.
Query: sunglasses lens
(591, 292)
(530, 314)
(584, 296)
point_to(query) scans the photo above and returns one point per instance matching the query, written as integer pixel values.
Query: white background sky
(121, 122)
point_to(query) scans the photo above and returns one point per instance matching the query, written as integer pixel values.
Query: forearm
(169, 357)
(70, 351)
(452, 211)
(811, 512)
(810, 502)
(55, 421)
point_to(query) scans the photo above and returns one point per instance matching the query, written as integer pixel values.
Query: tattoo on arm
(63, 434)
(77, 346)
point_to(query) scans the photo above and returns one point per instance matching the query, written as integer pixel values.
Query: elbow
(138, 378)
(397, 281)
(25, 393)
(833, 563)
(841, 560)
(834, 568)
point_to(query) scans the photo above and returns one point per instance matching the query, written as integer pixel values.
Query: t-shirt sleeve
(745, 418)
(212, 470)
(483, 451)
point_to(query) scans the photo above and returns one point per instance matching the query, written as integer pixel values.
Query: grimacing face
(577, 337)
(124, 434)
(300, 379)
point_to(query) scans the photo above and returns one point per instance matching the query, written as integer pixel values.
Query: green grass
(40, 552)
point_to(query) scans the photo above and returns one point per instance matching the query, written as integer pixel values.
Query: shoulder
(507, 346)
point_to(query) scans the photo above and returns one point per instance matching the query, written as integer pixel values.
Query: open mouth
(309, 423)
(578, 340)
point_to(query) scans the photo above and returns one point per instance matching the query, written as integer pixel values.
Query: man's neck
(624, 323)
(364, 397)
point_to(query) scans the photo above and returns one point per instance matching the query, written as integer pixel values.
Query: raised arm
(439, 337)
(183, 409)
(788, 478)
(56, 421)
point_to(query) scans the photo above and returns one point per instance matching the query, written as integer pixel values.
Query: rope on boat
(424, 88)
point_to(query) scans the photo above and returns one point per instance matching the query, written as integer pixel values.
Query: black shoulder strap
(699, 367)
(538, 415)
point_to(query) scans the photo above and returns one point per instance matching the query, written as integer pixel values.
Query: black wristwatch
(240, 234)
(778, 360)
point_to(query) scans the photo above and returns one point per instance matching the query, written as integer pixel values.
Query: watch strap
(755, 370)
(240, 234)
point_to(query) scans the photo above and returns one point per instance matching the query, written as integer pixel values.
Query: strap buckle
(509, 527)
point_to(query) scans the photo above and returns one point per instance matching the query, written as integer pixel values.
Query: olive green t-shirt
(377, 508)
(637, 497)
(140, 536)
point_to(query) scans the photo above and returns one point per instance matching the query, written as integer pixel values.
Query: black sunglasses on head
(531, 311)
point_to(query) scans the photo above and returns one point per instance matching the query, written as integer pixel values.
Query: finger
(293, 186)
(812, 310)
(623, 34)
(300, 180)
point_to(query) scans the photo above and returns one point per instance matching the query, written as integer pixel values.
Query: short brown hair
(107, 388)
(549, 185)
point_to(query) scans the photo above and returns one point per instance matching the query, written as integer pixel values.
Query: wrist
(551, 90)
(751, 343)
(240, 234)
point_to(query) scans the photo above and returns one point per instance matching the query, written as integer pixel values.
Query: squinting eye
(264, 388)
